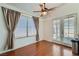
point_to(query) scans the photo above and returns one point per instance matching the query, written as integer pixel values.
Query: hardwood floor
(42, 48)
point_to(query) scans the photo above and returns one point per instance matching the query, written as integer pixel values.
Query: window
(56, 29)
(31, 27)
(21, 29)
(69, 27)
(25, 27)
(64, 28)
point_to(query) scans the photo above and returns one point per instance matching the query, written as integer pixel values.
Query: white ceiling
(32, 6)
(29, 7)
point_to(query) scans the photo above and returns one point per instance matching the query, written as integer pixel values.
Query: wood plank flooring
(42, 48)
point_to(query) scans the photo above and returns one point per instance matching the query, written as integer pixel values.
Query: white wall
(66, 9)
(18, 43)
(3, 31)
(41, 31)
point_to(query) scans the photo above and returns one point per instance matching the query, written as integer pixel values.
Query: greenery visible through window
(25, 27)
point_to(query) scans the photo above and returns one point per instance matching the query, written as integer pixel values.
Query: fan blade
(36, 11)
(55, 7)
(51, 9)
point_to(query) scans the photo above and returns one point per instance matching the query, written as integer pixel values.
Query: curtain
(11, 18)
(36, 22)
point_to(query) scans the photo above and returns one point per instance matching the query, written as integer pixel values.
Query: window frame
(61, 26)
(26, 28)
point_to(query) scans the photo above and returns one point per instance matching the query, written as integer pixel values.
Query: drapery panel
(11, 18)
(36, 22)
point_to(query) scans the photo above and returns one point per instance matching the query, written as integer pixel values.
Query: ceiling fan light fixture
(44, 13)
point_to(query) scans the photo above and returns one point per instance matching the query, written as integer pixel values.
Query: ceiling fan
(44, 10)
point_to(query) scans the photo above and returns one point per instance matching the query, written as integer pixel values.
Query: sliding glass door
(64, 29)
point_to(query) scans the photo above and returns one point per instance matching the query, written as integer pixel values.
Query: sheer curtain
(36, 22)
(11, 18)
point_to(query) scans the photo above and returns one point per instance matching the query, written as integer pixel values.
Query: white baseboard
(60, 43)
(1, 52)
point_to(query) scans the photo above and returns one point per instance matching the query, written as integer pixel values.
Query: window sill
(25, 36)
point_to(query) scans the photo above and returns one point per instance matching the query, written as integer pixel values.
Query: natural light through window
(25, 27)
(64, 28)
(31, 27)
